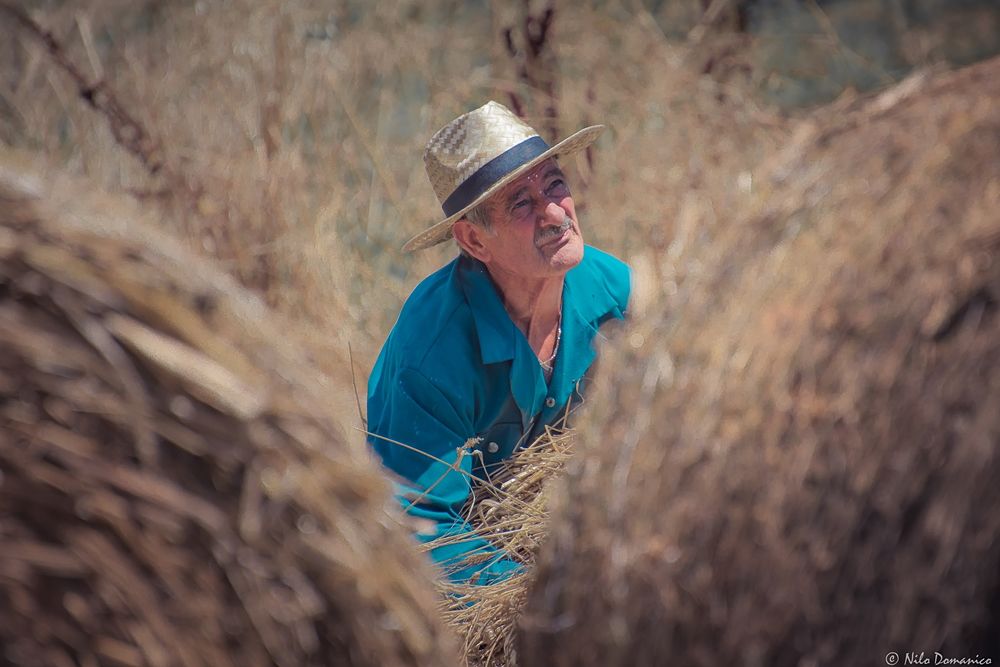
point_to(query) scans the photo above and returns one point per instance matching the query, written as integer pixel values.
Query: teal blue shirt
(455, 368)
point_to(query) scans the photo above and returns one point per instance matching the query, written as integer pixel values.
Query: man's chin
(567, 256)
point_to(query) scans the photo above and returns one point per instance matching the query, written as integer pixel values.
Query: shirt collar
(586, 300)
(587, 291)
(494, 327)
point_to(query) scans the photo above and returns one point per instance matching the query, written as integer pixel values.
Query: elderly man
(493, 347)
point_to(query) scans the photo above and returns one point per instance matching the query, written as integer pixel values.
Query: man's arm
(420, 432)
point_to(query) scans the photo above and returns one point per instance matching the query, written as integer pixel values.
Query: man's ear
(470, 239)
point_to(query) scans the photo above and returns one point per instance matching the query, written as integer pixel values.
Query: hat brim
(441, 231)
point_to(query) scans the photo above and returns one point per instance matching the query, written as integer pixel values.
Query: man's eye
(521, 204)
(557, 185)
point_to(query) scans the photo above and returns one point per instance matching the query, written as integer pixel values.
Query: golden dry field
(202, 204)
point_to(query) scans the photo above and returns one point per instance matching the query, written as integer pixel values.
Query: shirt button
(493, 448)
(549, 402)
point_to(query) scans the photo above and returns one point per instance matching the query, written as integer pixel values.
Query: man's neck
(534, 305)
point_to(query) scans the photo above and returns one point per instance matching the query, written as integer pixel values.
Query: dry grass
(291, 133)
(804, 424)
(511, 511)
(176, 489)
(288, 136)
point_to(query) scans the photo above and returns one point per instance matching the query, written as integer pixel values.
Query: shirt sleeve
(419, 430)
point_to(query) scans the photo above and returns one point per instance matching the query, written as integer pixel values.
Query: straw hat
(478, 153)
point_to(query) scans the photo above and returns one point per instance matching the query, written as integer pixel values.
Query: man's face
(534, 231)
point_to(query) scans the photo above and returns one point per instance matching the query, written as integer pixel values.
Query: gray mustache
(549, 232)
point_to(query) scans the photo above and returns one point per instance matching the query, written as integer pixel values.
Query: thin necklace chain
(547, 364)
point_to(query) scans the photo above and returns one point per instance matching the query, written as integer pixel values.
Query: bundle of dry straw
(510, 511)
(805, 428)
(175, 489)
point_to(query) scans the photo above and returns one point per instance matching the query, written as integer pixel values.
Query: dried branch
(98, 95)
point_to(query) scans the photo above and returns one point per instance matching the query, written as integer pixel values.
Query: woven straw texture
(463, 146)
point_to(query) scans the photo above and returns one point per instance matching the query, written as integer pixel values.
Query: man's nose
(552, 214)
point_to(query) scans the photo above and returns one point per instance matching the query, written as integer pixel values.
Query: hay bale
(794, 461)
(175, 488)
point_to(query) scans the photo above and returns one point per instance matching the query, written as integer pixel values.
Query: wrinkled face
(534, 232)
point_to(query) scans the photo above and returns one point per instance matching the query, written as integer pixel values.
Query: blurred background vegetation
(284, 138)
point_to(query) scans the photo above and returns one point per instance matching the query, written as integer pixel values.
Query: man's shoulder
(434, 321)
(433, 292)
(604, 280)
